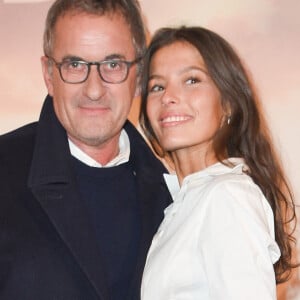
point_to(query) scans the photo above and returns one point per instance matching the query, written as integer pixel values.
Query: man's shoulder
(135, 137)
(141, 152)
(19, 140)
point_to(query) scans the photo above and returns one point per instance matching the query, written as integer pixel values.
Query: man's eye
(74, 65)
(114, 65)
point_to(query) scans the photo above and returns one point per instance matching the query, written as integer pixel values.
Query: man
(81, 193)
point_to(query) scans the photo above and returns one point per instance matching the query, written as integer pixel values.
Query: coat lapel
(152, 194)
(53, 183)
(67, 214)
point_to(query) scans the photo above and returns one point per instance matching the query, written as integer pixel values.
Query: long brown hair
(246, 135)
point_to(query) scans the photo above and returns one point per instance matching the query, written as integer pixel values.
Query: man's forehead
(103, 35)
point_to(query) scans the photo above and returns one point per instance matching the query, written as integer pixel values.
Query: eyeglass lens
(109, 71)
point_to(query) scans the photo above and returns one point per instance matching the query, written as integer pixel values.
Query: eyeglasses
(110, 71)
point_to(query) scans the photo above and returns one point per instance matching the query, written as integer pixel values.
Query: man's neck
(103, 153)
(118, 153)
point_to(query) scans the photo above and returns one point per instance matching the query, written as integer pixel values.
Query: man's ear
(47, 74)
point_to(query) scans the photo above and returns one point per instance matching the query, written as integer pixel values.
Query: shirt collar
(238, 167)
(122, 157)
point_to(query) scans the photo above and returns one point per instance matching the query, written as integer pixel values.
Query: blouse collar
(217, 169)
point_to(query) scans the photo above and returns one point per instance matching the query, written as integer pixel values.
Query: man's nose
(95, 87)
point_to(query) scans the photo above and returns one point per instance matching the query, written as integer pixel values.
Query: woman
(226, 236)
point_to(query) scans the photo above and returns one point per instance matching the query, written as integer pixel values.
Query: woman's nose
(170, 96)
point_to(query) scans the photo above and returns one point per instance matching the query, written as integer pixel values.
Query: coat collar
(53, 183)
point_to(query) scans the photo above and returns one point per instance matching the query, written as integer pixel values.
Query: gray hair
(129, 9)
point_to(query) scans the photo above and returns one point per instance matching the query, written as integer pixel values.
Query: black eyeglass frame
(129, 64)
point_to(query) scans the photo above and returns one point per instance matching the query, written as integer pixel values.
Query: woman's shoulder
(231, 186)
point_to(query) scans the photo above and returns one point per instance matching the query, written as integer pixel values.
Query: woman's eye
(155, 88)
(192, 80)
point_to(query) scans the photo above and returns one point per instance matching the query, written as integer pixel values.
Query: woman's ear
(227, 113)
(228, 120)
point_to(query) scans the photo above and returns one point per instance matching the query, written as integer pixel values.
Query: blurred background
(266, 34)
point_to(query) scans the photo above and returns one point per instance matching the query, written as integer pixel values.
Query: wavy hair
(245, 136)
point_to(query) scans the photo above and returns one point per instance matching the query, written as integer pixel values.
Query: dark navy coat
(47, 248)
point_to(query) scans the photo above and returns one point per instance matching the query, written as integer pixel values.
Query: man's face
(92, 112)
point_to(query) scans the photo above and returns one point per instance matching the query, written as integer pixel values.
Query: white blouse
(216, 241)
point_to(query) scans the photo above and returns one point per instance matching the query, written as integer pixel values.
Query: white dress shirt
(216, 241)
(122, 157)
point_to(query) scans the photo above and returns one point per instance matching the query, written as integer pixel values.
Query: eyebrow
(114, 56)
(71, 58)
(108, 57)
(184, 70)
(192, 68)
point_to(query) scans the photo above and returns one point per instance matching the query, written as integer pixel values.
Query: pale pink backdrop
(266, 33)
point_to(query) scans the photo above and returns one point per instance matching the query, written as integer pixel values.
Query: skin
(184, 107)
(93, 112)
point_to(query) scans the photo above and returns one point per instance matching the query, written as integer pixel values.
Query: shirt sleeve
(237, 242)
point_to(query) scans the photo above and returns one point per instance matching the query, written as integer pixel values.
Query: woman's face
(183, 104)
